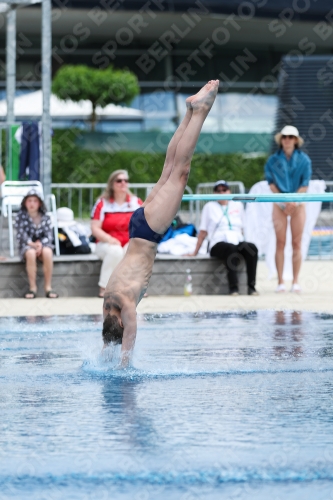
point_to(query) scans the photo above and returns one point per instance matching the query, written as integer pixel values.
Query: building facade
(174, 47)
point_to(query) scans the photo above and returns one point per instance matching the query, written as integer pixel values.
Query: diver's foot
(101, 292)
(205, 98)
(197, 95)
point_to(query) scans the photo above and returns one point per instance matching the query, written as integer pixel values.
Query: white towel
(260, 231)
(181, 245)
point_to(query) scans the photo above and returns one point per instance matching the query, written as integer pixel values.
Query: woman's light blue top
(288, 175)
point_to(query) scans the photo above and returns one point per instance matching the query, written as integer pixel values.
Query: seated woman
(34, 237)
(110, 220)
(222, 222)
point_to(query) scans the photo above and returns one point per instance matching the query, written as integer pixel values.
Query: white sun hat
(65, 217)
(288, 130)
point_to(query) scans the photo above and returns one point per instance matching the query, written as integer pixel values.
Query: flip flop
(49, 293)
(30, 292)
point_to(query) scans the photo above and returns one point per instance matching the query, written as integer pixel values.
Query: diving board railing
(274, 197)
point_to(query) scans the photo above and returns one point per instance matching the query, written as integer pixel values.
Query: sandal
(280, 288)
(295, 288)
(32, 293)
(50, 294)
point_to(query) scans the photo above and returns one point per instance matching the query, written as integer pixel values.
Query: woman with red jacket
(110, 219)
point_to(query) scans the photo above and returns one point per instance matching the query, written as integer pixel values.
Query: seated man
(222, 221)
(130, 279)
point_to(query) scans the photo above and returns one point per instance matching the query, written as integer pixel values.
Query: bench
(77, 276)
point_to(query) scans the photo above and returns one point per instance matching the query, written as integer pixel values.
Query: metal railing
(81, 197)
(236, 187)
(321, 244)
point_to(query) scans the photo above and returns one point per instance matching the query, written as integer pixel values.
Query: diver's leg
(168, 163)
(160, 211)
(171, 151)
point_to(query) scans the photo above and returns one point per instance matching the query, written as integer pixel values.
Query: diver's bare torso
(129, 281)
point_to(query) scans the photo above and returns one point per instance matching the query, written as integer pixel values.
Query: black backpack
(67, 248)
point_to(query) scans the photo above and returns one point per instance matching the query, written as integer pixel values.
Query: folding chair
(12, 194)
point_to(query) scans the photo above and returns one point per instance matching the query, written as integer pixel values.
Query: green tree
(100, 86)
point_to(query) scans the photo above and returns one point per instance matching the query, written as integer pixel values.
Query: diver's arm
(128, 318)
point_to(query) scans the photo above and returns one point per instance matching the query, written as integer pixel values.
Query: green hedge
(73, 164)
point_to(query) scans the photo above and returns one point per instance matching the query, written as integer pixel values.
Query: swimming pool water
(216, 405)
(321, 245)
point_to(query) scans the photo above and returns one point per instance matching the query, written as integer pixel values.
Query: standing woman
(288, 171)
(110, 220)
(34, 237)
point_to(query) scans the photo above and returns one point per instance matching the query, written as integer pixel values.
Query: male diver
(148, 224)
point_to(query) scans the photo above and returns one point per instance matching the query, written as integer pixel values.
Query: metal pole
(46, 169)
(10, 81)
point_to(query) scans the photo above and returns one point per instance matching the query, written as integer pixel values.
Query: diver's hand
(125, 358)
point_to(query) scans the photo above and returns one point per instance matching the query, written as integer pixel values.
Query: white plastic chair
(12, 194)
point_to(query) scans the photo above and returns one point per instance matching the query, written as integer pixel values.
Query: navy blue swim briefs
(138, 227)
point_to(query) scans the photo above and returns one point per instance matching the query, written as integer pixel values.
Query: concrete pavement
(317, 295)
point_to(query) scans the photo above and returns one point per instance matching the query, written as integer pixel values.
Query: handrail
(285, 197)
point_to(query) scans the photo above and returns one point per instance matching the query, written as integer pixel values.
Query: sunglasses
(288, 137)
(118, 181)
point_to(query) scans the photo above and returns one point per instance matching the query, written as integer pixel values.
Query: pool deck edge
(317, 295)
